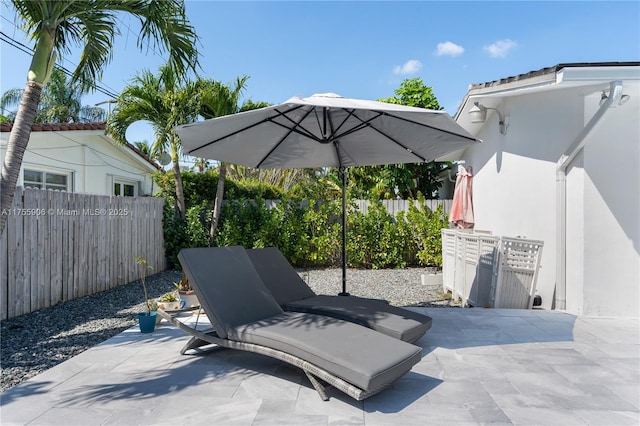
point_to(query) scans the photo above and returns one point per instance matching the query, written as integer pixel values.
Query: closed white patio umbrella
(326, 130)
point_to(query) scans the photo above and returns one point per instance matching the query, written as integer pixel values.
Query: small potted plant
(146, 319)
(169, 302)
(187, 295)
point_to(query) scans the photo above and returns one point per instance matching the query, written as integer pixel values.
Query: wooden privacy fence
(58, 246)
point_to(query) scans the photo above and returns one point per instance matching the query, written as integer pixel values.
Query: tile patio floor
(479, 366)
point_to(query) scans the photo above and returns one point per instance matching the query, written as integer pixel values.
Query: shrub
(322, 223)
(284, 227)
(425, 227)
(200, 188)
(307, 232)
(375, 240)
(175, 235)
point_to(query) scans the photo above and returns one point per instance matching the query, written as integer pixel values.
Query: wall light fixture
(478, 114)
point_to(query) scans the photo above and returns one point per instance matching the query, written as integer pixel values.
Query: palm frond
(92, 26)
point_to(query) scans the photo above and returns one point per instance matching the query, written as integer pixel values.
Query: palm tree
(60, 102)
(217, 100)
(285, 179)
(165, 101)
(201, 164)
(56, 26)
(143, 147)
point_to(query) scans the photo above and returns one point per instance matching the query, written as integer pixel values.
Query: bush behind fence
(382, 234)
(59, 246)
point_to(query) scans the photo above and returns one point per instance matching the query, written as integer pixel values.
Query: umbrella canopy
(462, 206)
(326, 130)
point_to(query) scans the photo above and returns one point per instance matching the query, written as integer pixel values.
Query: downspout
(578, 144)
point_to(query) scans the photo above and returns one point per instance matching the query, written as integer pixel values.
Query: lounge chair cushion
(278, 275)
(393, 321)
(358, 355)
(228, 287)
(293, 294)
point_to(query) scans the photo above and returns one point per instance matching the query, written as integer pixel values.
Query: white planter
(169, 306)
(188, 301)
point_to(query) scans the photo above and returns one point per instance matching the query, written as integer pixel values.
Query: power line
(126, 25)
(28, 50)
(97, 152)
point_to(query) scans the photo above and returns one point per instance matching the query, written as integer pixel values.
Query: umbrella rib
(244, 129)
(427, 125)
(363, 124)
(335, 142)
(367, 123)
(323, 126)
(304, 132)
(291, 129)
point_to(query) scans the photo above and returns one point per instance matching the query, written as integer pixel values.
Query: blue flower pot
(147, 322)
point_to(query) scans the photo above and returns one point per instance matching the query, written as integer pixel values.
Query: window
(125, 189)
(46, 180)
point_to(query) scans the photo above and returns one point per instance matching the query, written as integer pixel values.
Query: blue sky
(365, 49)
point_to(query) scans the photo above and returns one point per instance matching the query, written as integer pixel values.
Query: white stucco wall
(612, 211)
(89, 155)
(515, 193)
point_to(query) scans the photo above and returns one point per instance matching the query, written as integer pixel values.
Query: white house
(560, 162)
(80, 157)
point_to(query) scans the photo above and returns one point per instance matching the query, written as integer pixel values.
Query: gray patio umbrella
(326, 130)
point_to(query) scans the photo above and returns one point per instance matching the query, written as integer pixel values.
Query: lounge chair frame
(319, 378)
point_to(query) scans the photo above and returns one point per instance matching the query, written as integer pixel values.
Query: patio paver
(479, 366)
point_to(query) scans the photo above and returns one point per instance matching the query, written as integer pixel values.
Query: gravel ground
(33, 343)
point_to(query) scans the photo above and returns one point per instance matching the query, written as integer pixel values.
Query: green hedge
(309, 233)
(200, 188)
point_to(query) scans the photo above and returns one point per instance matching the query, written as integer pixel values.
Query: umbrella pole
(343, 175)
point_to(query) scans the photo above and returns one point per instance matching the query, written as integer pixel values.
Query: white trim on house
(122, 182)
(49, 169)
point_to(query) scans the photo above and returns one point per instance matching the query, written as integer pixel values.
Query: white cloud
(412, 66)
(449, 48)
(500, 48)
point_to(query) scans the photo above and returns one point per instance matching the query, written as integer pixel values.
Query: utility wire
(30, 51)
(26, 49)
(97, 152)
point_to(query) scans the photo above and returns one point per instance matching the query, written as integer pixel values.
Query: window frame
(44, 171)
(125, 182)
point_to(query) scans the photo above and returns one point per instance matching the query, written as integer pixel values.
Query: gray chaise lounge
(244, 316)
(293, 294)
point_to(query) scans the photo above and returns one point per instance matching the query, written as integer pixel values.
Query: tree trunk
(17, 144)
(179, 190)
(217, 206)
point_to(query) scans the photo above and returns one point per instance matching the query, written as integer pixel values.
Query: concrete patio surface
(479, 366)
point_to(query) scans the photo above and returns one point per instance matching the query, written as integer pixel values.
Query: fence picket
(57, 247)
(44, 291)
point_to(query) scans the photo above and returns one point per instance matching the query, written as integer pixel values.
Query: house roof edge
(92, 126)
